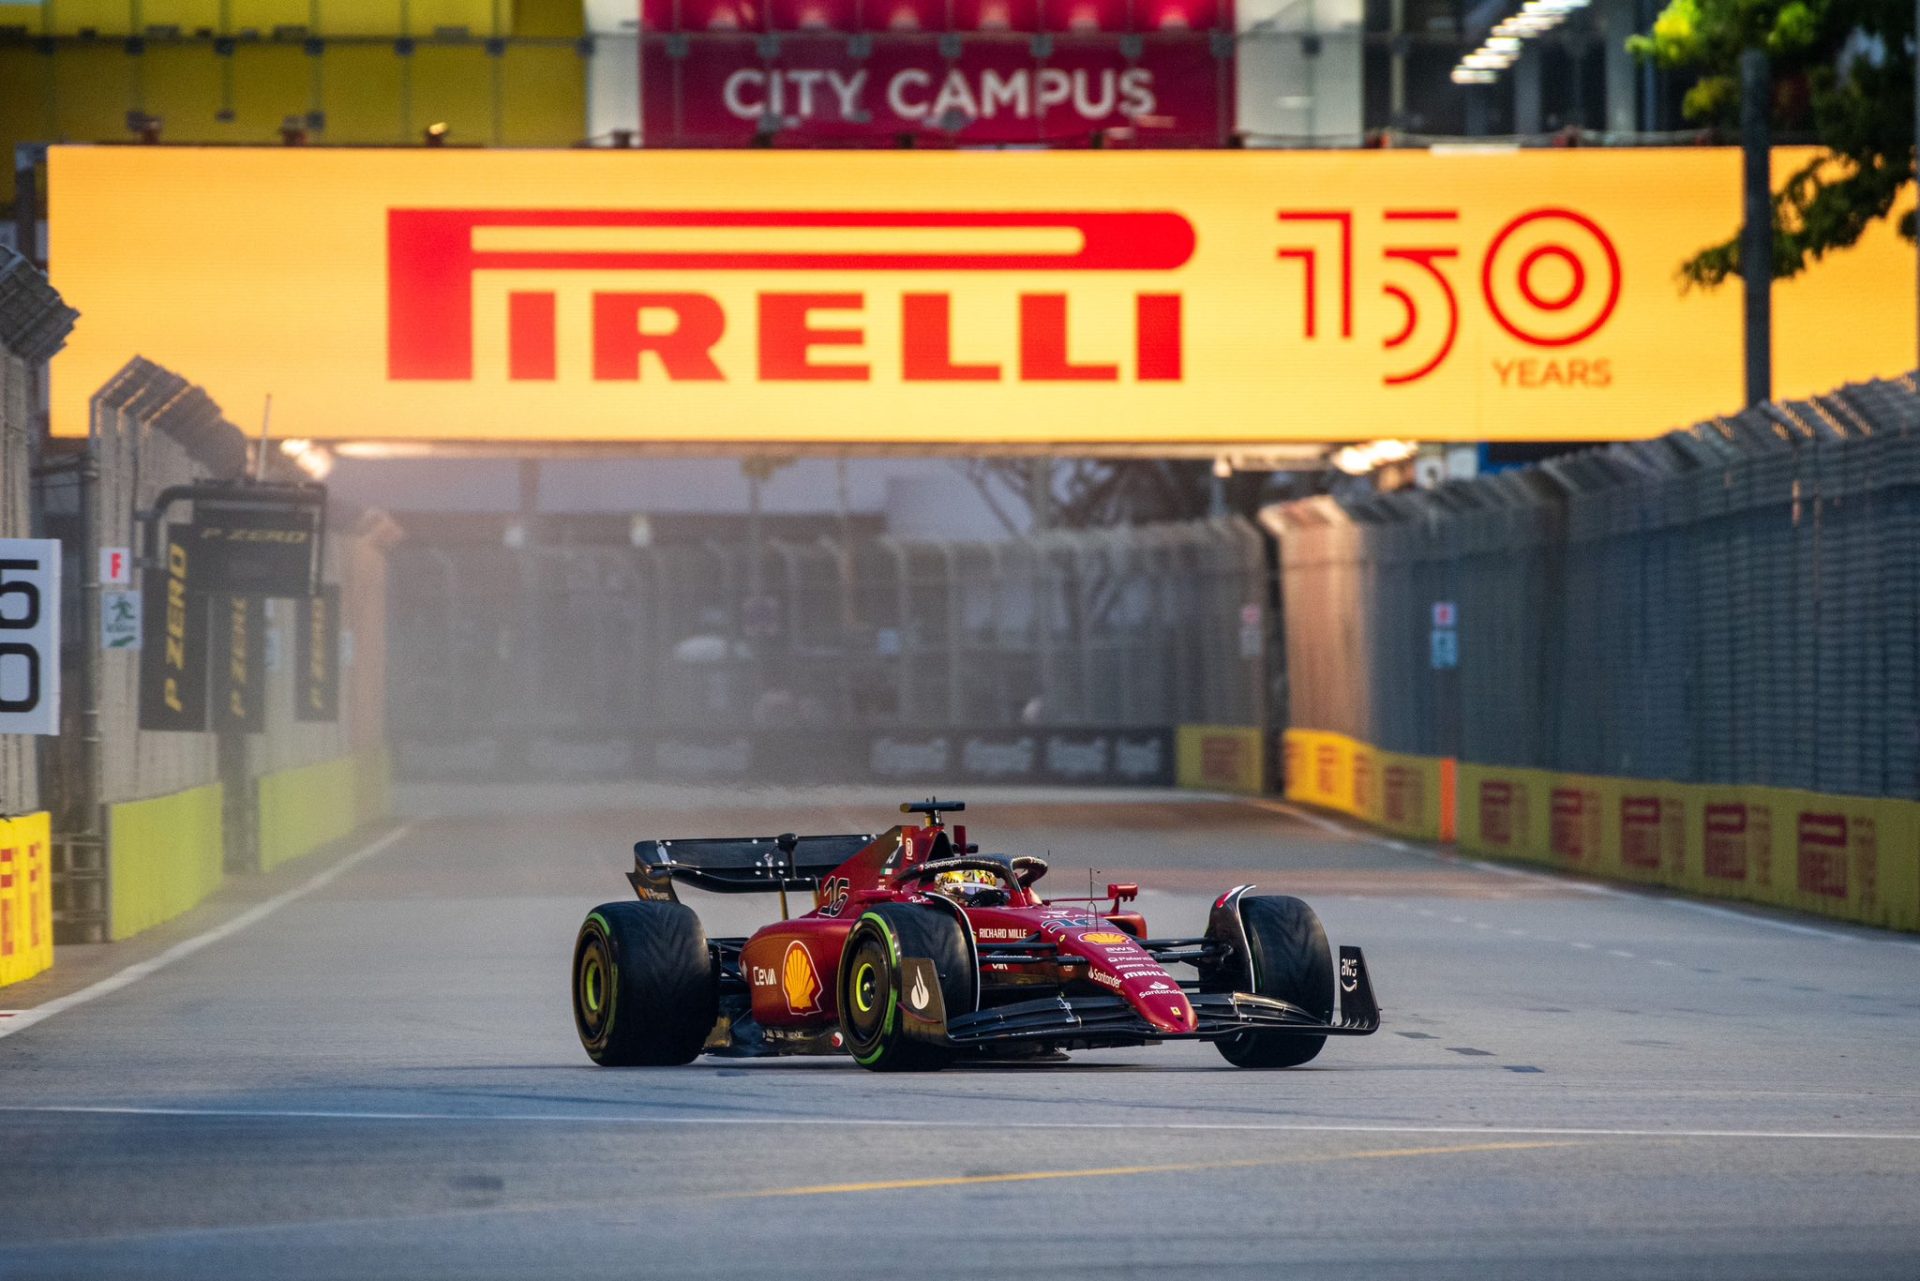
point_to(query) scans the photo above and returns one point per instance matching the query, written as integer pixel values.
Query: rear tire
(644, 990)
(1291, 962)
(870, 984)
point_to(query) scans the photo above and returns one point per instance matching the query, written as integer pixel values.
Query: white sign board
(29, 636)
(1444, 614)
(116, 567)
(120, 620)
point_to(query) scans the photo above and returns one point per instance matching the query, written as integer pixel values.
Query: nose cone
(1168, 1011)
(1120, 963)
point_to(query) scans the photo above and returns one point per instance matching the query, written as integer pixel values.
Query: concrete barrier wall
(26, 897)
(303, 808)
(1406, 795)
(1853, 858)
(167, 857)
(1221, 758)
(168, 850)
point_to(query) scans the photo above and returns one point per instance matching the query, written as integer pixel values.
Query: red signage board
(730, 73)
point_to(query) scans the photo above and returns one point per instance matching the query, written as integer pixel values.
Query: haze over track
(379, 1077)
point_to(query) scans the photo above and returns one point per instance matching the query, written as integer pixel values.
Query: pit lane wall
(26, 897)
(1852, 858)
(302, 809)
(168, 850)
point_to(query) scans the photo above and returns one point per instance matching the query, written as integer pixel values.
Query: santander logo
(670, 333)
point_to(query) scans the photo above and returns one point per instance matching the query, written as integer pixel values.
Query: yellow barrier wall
(302, 809)
(166, 856)
(1853, 858)
(1221, 758)
(26, 897)
(1392, 790)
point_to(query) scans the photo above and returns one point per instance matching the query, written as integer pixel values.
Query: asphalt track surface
(379, 1077)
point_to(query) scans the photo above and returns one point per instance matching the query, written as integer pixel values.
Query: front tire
(644, 990)
(870, 984)
(1291, 962)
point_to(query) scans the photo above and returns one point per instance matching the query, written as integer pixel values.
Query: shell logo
(799, 981)
(1105, 937)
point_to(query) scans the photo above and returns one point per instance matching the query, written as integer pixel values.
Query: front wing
(1088, 1021)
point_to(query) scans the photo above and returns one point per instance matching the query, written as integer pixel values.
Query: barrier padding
(26, 897)
(1854, 858)
(1220, 758)
(303, 808)
(167, 855)
(1403, 794)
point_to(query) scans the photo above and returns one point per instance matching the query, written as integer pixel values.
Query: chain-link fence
(1116, 627)
(152, 430)
(1738, 601)
(34, 324)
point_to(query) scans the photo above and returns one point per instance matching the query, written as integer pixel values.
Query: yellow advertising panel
(923, 298)
(1856, 858)
(1220, 758)
(26, 897)
(1403, 794)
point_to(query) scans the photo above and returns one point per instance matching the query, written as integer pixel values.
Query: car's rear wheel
(871, 984)
(644, 990)
(1290, 962)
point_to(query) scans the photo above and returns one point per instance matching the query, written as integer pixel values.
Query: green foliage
(1842, 71)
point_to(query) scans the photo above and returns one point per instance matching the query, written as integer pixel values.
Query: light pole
(1756, 229)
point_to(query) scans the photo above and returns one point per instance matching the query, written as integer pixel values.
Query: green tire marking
(893, 996)
(590, 982)
(613, 986)
(859, 987)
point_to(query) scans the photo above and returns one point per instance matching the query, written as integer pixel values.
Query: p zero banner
(1060, 299)
(316, 679)
(722, 91)
(239, 626)
(173, 651)
(255, 551)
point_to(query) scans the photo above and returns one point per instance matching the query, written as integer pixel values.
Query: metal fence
(152, 429)
(1134, 626)
(34, 324)
(1737, 602)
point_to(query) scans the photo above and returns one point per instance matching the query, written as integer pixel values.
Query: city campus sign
(939, 299)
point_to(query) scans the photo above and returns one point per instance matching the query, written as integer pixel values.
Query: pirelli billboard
(939, 299)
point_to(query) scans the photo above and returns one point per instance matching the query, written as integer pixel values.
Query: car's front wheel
(1290, 962)
(872, 984)
(644, 990)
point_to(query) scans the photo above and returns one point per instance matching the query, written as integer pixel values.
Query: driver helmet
(963, 884)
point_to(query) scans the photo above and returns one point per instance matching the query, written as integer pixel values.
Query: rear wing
(742, 865)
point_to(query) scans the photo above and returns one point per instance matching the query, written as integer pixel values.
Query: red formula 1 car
(920, 951)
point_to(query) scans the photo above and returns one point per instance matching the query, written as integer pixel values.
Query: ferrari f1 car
(920, 950)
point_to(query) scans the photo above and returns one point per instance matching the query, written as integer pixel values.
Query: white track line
(1583, 887)
(1279, 1127)
(24, 1019)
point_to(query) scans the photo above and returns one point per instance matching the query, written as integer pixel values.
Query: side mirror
(1122, 891)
